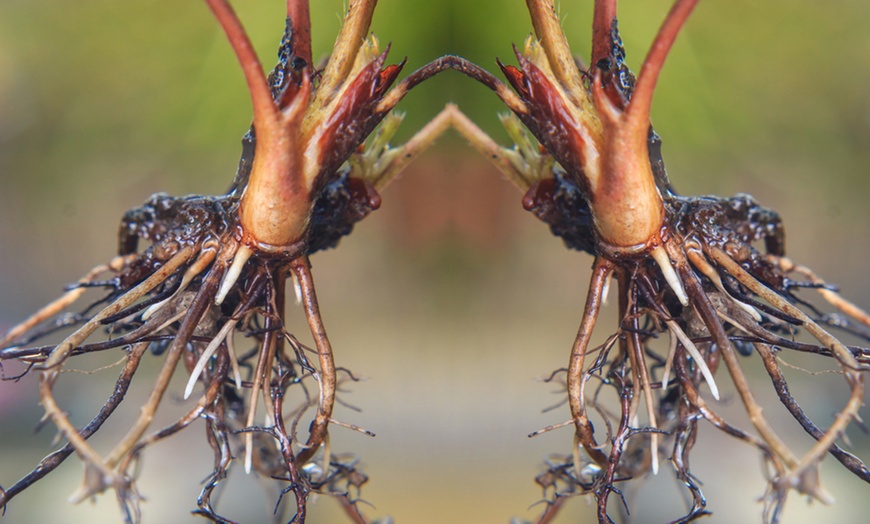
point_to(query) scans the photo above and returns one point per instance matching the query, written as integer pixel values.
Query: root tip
(664, 262)
(242, 256)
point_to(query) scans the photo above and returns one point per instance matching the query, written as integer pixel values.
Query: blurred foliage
(158, 78)
(151, 68)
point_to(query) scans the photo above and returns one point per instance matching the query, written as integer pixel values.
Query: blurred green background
(450, 299)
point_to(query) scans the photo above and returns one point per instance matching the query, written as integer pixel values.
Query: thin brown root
(352, 427)
(831, 296)
(208, 397)
(326, 377)
(200, 305)
(769, 358)
(584, 432)
(669, 361)
(51, 462)
(847, 361)
(77, 440)
(206, 257)
(351, 510)
(64, 301)
(550, 428)
(707, 313)
(695, 400)
(59, 354)
(552, 510)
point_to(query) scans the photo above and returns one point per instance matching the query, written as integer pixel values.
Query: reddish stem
(602, 25)
(641, 99)
(300, 18)
(265, 112)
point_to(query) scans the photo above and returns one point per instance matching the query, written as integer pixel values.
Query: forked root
(66, 300)
(60, 353)
(201, 303)
(644, 292)
(99, 474)
(707, 312)
(833, 298)
(51, 462)
(799, 471)
(218, 377)
(850, 461)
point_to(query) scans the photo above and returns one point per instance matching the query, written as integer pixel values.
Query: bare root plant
(215, 272)
(699, 280)
(708, 274)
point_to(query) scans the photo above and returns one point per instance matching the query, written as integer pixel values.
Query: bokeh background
(451, 300)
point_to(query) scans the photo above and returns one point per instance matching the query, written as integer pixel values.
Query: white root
(242, 256)
(664, 262)
(654, 436)
(605, 291)
(693, 351)
(297, 289)
(205, 258)
(698, 260)
(59, 354)
(225, 332)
